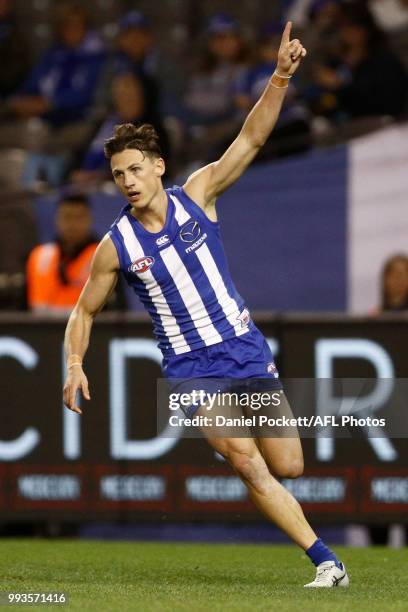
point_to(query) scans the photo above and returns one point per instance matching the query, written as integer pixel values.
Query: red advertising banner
(112, 463)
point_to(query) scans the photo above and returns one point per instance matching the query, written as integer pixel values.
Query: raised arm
(101, 282)
(206, 184)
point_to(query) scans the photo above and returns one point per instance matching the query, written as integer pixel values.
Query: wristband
(281, 76)
(74, 363)
(73, 360)
(279, 82)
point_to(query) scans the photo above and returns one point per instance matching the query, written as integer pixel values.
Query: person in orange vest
(57, 271)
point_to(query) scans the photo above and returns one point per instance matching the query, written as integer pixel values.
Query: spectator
(321, 39)
(135, 54)
(291, 133)
(62, 85)
(209, 98)
(394, 284)
(369, 79)
(129, 106)
(59, 94)
(390, 15)
(320, 15)
(394, 298)
(14, 59)
(135, 48)
(19, 232)
(57, 271)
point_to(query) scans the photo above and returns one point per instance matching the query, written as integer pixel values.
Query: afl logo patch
(190, 232)
(141, 265)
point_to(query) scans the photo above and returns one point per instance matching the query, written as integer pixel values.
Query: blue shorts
(244, 363)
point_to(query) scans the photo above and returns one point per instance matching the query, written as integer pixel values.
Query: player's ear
(160, 166)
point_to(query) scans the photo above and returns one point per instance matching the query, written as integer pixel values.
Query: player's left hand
(290, 53)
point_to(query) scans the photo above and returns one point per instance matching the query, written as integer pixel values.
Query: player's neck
(153, 215)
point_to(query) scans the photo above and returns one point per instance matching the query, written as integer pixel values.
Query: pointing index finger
(286, 32)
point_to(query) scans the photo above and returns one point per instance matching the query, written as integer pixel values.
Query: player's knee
(291, 468)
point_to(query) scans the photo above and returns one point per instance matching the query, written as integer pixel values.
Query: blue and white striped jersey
(181, 276)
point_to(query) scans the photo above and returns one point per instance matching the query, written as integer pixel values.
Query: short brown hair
(143, 138)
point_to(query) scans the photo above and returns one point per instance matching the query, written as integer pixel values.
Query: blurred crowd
(57, 109)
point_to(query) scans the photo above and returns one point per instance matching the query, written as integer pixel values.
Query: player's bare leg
(270, 497)
(275, 502)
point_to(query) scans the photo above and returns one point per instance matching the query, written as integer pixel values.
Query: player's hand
(290, 53)
(75, 381)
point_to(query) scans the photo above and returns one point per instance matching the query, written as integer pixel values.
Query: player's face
(137, 176)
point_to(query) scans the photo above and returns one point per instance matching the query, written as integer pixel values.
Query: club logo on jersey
(190, 232)
(271, 369)
(162, 240)
(141, 265)
(244, 317)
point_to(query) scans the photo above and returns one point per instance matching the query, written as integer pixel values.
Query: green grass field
(170, 577)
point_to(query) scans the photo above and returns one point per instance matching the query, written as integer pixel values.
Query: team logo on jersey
(244, 317)
(271, 369)
(162, 240)
(190, 232)
(141, 265)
